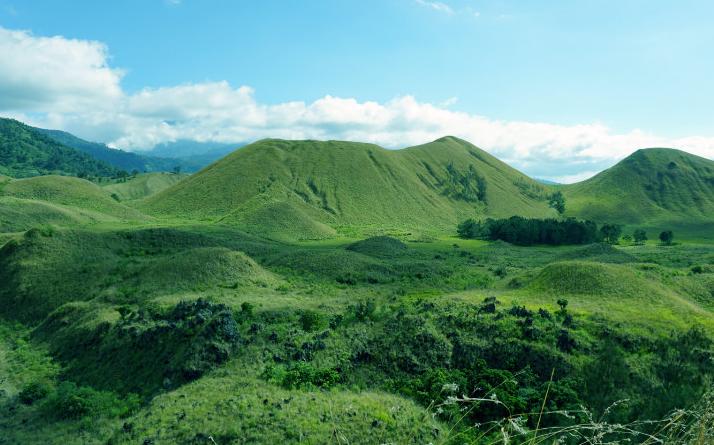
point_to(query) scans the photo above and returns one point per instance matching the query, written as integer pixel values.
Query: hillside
(143, 185)
(652, 186)
(349, 185)
(25, 152)
(124, 160)
(62, 193)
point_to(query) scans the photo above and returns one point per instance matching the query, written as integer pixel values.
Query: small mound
(281, 220)
(70, 191)
(18, 215)
(379, 247)
(200, 267)
(143, 185)
(599, 252)
(589, 278)
(244, 410)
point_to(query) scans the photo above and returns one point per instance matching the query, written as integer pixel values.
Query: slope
(25, 152)
(651, 186)
(143, 185)
(349, 185)
(69, 192)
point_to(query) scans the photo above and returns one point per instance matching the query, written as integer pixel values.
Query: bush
(70, 401)
(310, 320)
(33, 392)
(302, 375)
(364, 310)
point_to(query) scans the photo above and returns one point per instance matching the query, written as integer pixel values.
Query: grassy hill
(652, 187)
(143, 185)
(348, 185)
(62, 196)
(25, 151)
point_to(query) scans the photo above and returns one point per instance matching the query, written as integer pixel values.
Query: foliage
(33, 392)
(611, 233)
(25, 152)
(639, 236)
(557, 201)
(666, 237)
(526, 232)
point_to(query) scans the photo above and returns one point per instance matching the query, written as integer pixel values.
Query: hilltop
(25, 151)
(651, 186)
(348, 184)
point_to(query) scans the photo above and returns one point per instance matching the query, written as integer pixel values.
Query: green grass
(71, 192)
(656, 189)
(143, 185)
(349, 185)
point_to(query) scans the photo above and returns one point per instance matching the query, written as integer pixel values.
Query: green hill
(73, 193)
(348, 185)
(652, 186)
(143, 185)
(25, 151)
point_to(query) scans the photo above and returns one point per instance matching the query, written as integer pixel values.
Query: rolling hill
(25, 151)
(347, 185)
(652, 186)
(143, 185)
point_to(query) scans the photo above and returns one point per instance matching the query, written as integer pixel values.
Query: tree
(640, 236)
(666, 237)
(557, 202)
(469, 229)
(611, 233)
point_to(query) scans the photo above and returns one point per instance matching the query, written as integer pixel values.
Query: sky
(558, 89)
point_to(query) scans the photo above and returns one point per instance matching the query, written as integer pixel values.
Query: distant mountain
(314, 187)
(546, 181)
(650, 186)
(187, 149)
(25, 151)
(123, 160)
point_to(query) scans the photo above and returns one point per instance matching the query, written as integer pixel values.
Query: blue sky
(559, 88)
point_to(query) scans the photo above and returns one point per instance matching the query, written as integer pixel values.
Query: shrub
(364, 310)
(302, 375)
(33, 392)
(70, 401)
(310, 320)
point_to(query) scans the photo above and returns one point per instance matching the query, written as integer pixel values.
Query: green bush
(33, 392)
(70, 401)
(302, 375)
(310, 320)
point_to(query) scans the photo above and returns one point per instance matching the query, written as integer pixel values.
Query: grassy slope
(70, 192)
(655, 187)
(345, 184)
(143, 185)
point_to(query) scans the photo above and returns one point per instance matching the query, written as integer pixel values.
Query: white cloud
(69, 85)
(54, 72)
(437, 6)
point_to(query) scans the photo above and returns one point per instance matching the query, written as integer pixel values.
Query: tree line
(529, 231)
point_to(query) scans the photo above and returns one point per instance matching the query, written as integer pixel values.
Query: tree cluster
(529, 231)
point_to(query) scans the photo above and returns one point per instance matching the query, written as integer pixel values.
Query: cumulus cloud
(68, 84)
(53, 72)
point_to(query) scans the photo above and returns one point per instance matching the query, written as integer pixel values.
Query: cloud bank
(68, 84)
